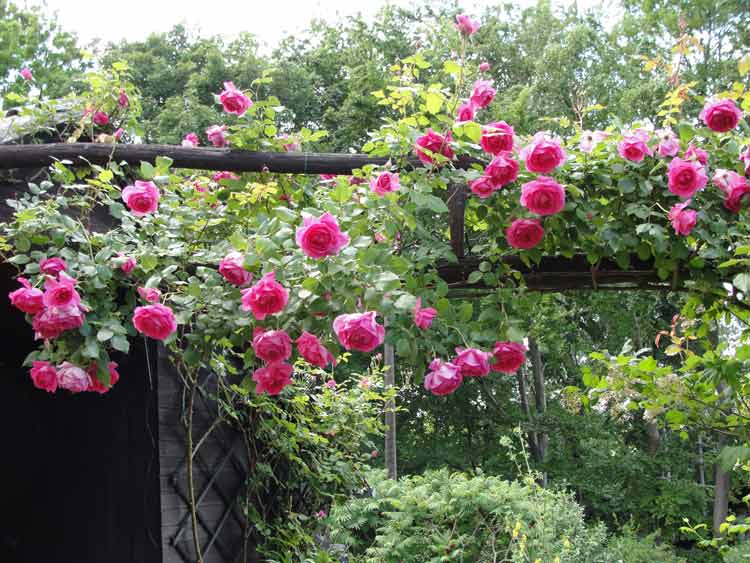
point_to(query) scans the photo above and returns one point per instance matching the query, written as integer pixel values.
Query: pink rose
(225, 175)
(634, 148)
(232, 268)
(291, 144)
(386, 182)
(524, 233)
(472, 362)
(694, 153)
(72, 378)
(191, 140)
(586, 143)
(331, 383)
(96, 385)
(683, 220)
(123, 101)
(721, 115)
(321, 237)
(44, 376)
(503, 170)
(100, 118)
(142, 198)
(356, 181)
(483, 187)
(685, 177)
(543, 196)
(328, 177)
(497, 137)
(266, 297)
(149, 294)
(484, 67)
(443, 378)
(53, 321)
(272, 378)
(61, 293)
(726, 179)
(482, 94)
(543, 154)
(119, 132)
(508, 356)
(436, 144)
(423, 317)
(668, 143)
(465, 113)
(52, 266)
(359, 331)
(128, 265)
(26, 74)
(745, 158)
(155, 321)
(465, 25)
(313, 351)
(736, 192)
(272, 345)
(27, 298)
(234, 100)
(216, 137)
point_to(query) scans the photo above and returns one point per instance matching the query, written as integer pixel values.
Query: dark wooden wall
(79, 474)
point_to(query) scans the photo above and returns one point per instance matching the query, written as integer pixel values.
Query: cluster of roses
(71, 377)
(234, 101)
(445, 377)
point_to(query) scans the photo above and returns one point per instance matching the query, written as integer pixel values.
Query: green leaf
(387, 281)
(163, 164)
(147, 170)
(121, 344)
(474, 277)
(743, 65)
(148, 262)
(451, 67)
(104, 334)
(406, 302)
(465, 312)
(341, 193)
(429, 201)
(433, 102)
(626, 185)
(742, 283)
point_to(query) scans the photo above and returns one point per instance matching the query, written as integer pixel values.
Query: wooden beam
(29, 156)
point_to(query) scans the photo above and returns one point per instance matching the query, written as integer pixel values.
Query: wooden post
(456, 210)
(390, 415)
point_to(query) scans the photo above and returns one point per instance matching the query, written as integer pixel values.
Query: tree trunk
(524, 398)
(390, 415)
(722, 483)
(540, 399)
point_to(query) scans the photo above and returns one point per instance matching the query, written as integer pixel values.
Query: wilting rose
(234, 100)
(266, 297)
(52, 266)
(524, 233)
(359, 331)
(443, 378)
(508, 356)
(72, 378)
(53, 321)
(543, 196)
(311, 349)
(155, 321)
(669, 145)
(27, 298)
(26, 74)
(503, 170)
(683, 220)
(142, 198)
(100, 118)
(721, 115)
(685, 177)
(61, 293)
(482, 94)
(497, 137)
(272, 378)
(423, 316)
(96, 385)
(436, 144)
(321, 237)
(122, 100)
(44, 376)
(272, 345)
(543, 154)
(216, 137)
(694, 153)
(472, 362)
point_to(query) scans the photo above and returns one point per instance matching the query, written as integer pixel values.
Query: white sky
(269, 20)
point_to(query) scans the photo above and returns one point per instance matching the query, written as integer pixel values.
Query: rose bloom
(359, 331)
(484, 67)
(465, 113)
(524, 233)
(634, 148)
(100, 118)
(142, 198)
(321, 237)
(266, 297)
(61, 293)
(736, 192)
(96, 385)
(26, 74)
(72, 378)
(53, 321)
(465, 25)
(291, 144)
(668, 143)
(694, 153)
(311, 349)
(483, 187)
(123, 101)
(155, 321)
(543, 196)
(586, 143)
(386, 182)
(443, 378)
(497, 137)
(44, 376)
(119, 132)
(509, 356)
(331, 383)
(685, 177)
(472, 362)
(482, 94)
(272, 345)
(215, 135)
(423, 317)
(234, 100)
(543, 154)
(191, 140)
(683, 220)
(27, 298)
(149, 294)
(225, 175)
(52, 266)
(725, 179)
(721, 115)
(232, 268)
(272, 378)
(745, 158)
(436, 144)
(128, 265)
(503, 170)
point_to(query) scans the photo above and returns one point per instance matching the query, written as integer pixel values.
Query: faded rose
(683, 220)
(53, 321)
(72, 378)
(149, 294)
(52, 266)
(191, 140)
(668, 143)
(27, 298)
(423, 317)
(216, 137)
(694, 153)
